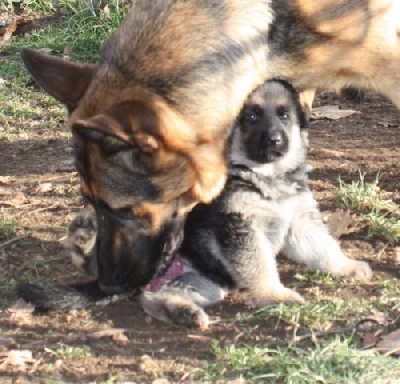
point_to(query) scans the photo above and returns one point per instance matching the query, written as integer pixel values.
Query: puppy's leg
(180, 302)
(81, 238)
(257, 271)
(309, 242)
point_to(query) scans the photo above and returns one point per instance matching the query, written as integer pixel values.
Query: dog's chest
(256, 199)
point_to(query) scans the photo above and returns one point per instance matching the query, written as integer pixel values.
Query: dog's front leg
(257, 272)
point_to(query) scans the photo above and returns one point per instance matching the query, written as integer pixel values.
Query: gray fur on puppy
(265, 208)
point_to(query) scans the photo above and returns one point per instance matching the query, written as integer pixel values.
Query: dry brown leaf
(370, 340)
(17, 200)
(44, 187)
(331, 112)
(67, 52)
(377, 317)
(105, 12)
(18, 27)
(5, 179)
(337, 222)
(21, 360)
(116, 334)
(11, 28)
(387, 124)
(21, 311)
(7, 342)
(390, 344)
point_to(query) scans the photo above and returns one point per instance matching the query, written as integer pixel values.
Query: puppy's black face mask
(265, 133)
(267, 121)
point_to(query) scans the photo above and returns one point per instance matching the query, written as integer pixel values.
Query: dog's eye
(251, 116)
(282, 113)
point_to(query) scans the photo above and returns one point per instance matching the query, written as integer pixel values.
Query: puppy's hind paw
(357, 270)
(174, 310)
(285, 295)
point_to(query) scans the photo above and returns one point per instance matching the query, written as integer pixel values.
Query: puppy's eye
(251, 116)
(282, 113)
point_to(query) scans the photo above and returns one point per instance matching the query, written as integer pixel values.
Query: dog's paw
(281, 294)
(189, 316)
(82, 230)
(357, 270)
(80, 240)
(174, 309)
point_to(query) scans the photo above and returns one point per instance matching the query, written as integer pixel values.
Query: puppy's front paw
(358, 270)
(281, 294)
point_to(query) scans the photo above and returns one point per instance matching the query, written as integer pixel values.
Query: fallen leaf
(116, 334)
(18, 27)
(16, 200)
(7, 342)
(67, 52)
(387, 124)
(11, 28)
(22, 360)
(44, 187)
(390, 344)
(5, 179)
(105, 12)
(45, 50)
(370, 340)
(331, 112)
(21, 311)
(337, 222)
(377, 317)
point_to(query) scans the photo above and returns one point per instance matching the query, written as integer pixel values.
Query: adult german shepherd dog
(150, 120)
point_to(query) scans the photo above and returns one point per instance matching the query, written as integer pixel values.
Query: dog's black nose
(275, 138)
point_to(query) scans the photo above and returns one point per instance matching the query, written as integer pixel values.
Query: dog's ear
(64, 80)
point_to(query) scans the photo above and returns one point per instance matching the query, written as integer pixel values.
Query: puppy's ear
(64, 80)
(301, 115)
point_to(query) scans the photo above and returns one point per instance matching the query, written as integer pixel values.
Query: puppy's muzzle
(268, 146)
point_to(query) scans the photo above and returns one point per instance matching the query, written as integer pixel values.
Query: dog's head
(140, 162)
(271, 128)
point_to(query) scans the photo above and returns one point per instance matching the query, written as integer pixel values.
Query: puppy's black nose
(275, 138)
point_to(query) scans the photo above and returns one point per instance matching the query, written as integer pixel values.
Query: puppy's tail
(67, 297)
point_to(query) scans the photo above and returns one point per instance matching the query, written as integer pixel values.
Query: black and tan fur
(265, 208)
(150, 120)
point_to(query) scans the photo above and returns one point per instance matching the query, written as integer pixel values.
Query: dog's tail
(76, 296)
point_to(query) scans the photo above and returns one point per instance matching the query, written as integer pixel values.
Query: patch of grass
(67, 352)
(83, 27)
(8, 227)
(335, 362)
(380, 216)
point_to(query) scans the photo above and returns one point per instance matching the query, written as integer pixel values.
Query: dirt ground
(39, 188)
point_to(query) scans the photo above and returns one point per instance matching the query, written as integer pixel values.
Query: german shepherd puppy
(265, 208)
(150, 120)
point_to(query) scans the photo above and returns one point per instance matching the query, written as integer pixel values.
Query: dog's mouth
(265, 157)
(129, 258)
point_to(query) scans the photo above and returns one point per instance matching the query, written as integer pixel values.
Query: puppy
(265, 208)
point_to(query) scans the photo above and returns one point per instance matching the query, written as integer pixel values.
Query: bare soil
(39, 189)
